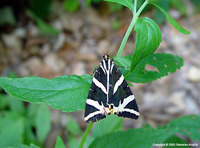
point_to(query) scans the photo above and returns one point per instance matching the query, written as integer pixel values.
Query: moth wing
(122, 97)
(96, 100)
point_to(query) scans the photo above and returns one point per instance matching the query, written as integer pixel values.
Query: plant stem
(135, 7)
(130, 28)
(126, 37)
(141, 8)
(85, 134)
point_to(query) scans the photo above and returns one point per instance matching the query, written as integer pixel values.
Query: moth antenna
(102, 51)
(107, 51)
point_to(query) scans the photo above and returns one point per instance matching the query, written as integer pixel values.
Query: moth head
(106, 57)
(111, 108)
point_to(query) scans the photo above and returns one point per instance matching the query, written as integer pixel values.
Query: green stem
(135, 7)
(141, 8)
(85, 134)
(126, 37)
(130, 28)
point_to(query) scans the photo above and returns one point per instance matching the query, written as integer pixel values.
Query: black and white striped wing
(124, 101)
(96, 103)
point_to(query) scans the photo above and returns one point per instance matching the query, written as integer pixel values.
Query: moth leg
(105, 111)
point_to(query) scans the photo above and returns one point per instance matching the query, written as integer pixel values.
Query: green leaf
(196, 8)
(123, 61)
(137, 138)
(148, 39)
(30, 123)
(88, 2)
(29, 136)
(164, 63)
(73, 143)
(175, 140)
(169, 18)
(96, 1)
(107, 126)
(6, 16)
(16, 105)
(180, 6)
(12, 75)
(11, 131)
(44, 28)
(41, 8)
(187, 125)
(59, 143)
(4, 101)
(114, 7)
(73, 127)
(71, 5)
(43, 123)
(24, 146)
(68, 93)
(126, 3)
(116, 25)
(159, 17)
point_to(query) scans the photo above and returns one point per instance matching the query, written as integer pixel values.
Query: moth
(109, 93)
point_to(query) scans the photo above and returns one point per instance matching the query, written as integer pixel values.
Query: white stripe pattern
(122, 106)
(92, 115)
(131, 111)
(118, 83)
(95, 104)
(100, 85)
(104, 65)
(102, 68)
(108, 64)
(108, 78)
(111, 68)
